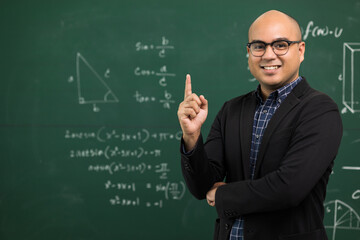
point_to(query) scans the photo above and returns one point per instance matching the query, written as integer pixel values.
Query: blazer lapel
(246, 123)
(290, 102)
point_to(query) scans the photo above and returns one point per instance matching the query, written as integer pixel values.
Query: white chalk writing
(161, 75)
(110, 152)
(316, 31)
(161, 49)
(104, 134)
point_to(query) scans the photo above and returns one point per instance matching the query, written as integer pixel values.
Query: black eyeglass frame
(271, 44)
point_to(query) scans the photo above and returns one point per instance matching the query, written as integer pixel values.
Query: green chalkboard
(89, 135)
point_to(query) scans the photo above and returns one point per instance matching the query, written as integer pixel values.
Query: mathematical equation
(165, 102)
(160, 48)
(126, 157)
(161, 75)
(171, 190)
(111, 152)
(134, 202)
(115, 167)
(317, 31)
(104, 134)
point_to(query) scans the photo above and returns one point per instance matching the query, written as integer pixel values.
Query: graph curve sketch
(340, 216)
(92, 89)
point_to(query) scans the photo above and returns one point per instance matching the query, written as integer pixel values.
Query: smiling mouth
(270, 67)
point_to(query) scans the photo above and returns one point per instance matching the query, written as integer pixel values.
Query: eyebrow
(276, 39)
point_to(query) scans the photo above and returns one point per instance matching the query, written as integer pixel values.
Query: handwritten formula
(161, 75)
(134, 162)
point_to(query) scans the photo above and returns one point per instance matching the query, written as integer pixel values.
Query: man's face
(270, 70)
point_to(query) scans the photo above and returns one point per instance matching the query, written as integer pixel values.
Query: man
(274, 146)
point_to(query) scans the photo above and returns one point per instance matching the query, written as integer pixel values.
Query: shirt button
(265, 111)
(257, 136)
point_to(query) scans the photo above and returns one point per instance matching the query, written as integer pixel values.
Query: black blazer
(285, 199)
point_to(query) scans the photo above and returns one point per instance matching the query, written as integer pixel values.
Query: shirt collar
(279, 94)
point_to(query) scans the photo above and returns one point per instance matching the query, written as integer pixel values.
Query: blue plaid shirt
(263, 113)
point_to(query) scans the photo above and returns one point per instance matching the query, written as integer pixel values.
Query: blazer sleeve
(199, 171)
(311, 151)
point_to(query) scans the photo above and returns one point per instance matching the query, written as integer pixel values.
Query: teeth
(271, 68)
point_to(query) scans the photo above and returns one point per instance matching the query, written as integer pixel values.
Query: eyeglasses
(280, 47)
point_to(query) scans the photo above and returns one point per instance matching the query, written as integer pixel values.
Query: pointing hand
(192, 114)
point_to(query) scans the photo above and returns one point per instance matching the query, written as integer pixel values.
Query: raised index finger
(188, 91)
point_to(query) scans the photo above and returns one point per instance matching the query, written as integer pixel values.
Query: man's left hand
(210, 196)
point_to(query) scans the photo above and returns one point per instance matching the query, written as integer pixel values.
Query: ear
(248, 56)
(302, 51)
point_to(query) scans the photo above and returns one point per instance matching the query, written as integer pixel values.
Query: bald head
(275, 17)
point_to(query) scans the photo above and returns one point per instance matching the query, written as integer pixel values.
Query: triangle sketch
(340, 215)
(92, 89)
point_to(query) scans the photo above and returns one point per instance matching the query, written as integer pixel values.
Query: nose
(269, 53)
